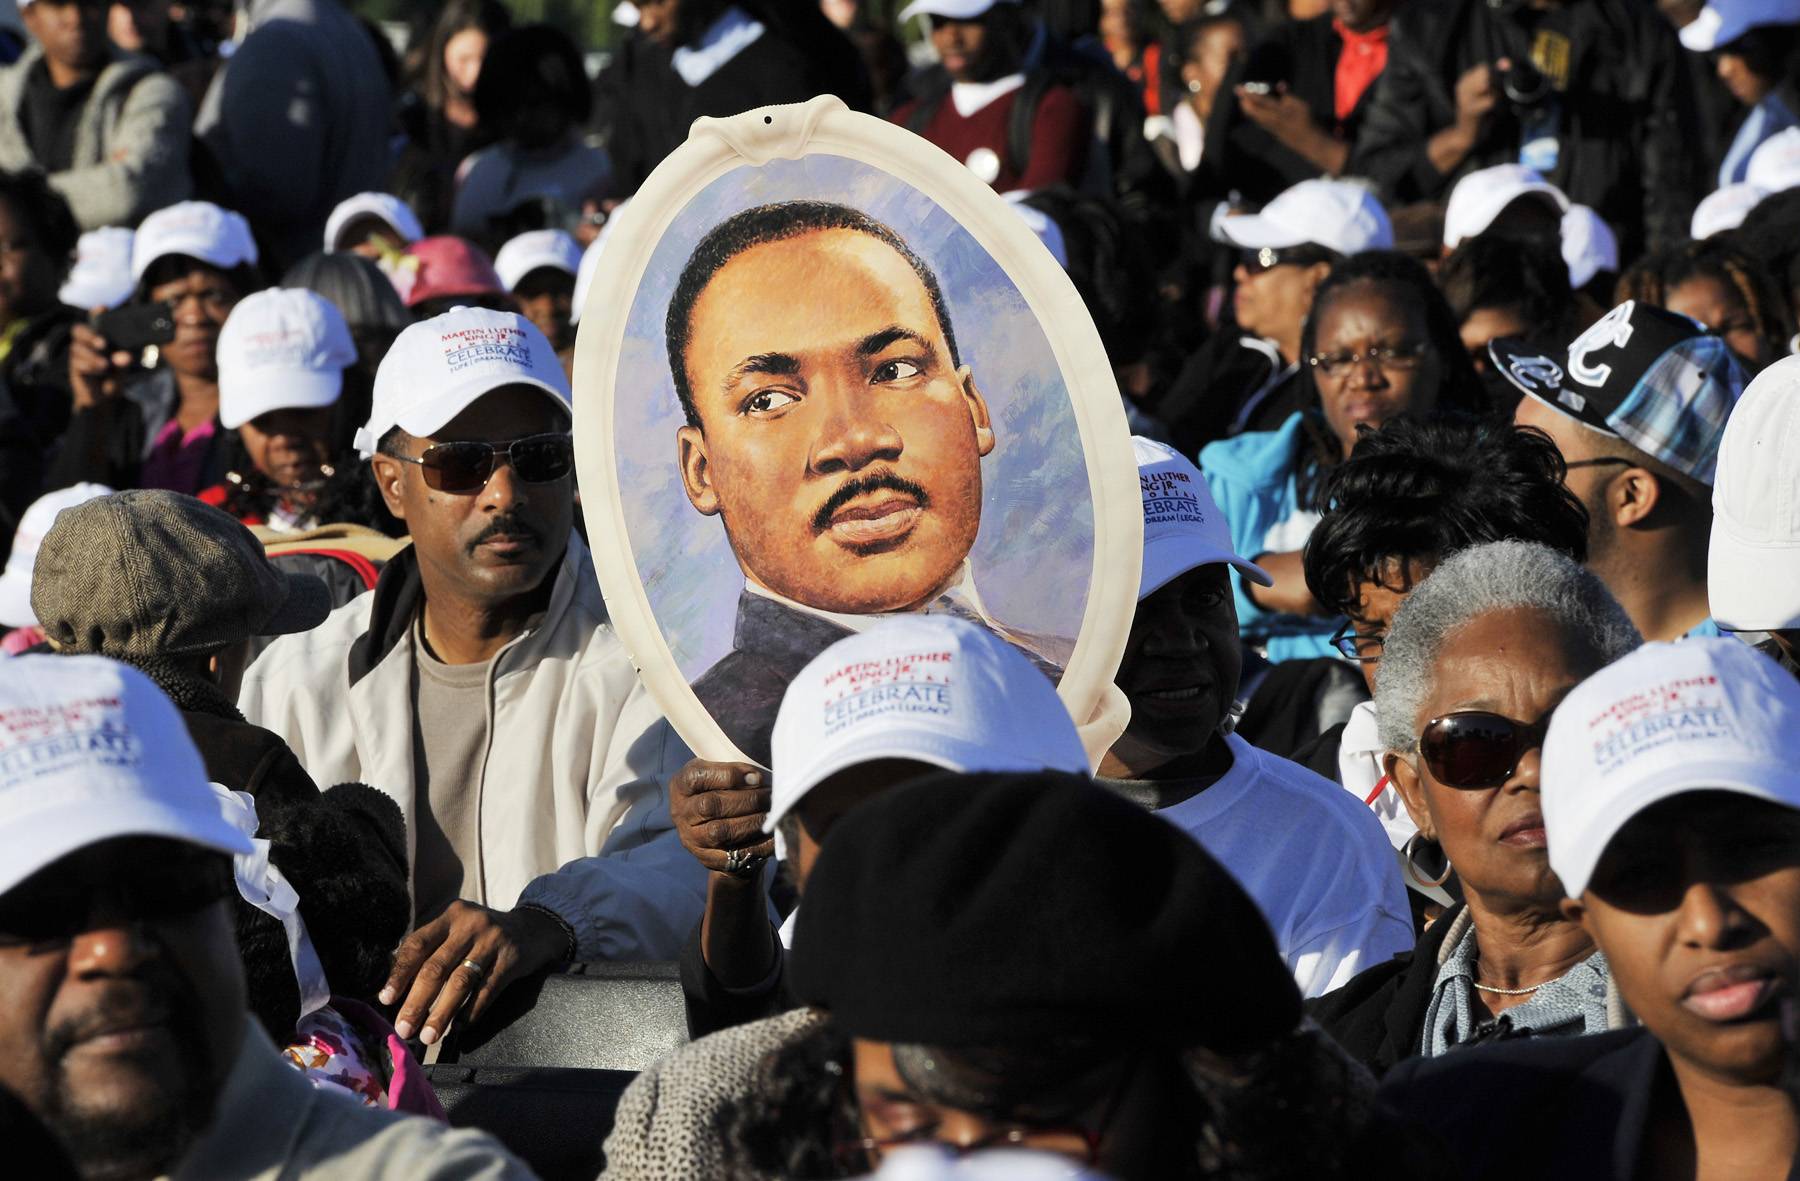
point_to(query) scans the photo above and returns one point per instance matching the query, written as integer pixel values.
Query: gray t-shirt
(450, 741)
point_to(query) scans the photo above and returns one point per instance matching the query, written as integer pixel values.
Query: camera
(1522, 83)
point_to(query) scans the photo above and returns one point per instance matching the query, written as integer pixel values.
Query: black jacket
(1379, 1016)
(1627, 130)
(1240, 156)
(1231, 384)
(1563, 1107)
(711, 1007)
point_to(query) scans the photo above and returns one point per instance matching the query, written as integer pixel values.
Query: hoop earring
(1412, 864)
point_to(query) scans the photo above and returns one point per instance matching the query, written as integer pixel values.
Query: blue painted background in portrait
(1034, 553)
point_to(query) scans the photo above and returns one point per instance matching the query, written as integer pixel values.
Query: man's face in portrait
(838, 440)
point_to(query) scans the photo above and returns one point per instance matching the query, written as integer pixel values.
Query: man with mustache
(481, 686)
(123, 1029)
(837, 434)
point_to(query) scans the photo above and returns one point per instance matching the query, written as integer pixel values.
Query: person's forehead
(835, 286)
(1361, 307)
(506, 412)
(1510, 649)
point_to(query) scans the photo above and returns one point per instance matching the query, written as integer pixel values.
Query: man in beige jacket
(481, 685)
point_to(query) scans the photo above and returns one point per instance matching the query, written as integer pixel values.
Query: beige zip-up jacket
(573, 799)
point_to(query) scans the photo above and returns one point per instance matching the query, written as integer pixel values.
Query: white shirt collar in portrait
(957, 597)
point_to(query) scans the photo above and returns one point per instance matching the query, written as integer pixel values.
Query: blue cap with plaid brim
(1651, 377)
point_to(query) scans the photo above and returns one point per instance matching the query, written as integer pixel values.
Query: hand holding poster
(825, 376)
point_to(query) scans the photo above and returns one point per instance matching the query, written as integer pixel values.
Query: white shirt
(969, 97)
(1316, 861)
(1359, 769)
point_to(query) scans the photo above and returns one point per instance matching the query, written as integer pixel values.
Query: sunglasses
(1477, 749)
(1255, 262)
(467, 466)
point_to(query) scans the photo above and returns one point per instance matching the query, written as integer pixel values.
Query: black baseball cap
(1654, 378)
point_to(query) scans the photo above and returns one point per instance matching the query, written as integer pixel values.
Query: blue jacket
(1254, 478)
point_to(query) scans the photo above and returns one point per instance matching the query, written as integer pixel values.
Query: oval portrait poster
(825, 375)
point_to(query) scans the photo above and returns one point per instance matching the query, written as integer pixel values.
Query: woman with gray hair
(1475, 661)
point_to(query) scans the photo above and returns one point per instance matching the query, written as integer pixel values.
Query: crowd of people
(1450, 826)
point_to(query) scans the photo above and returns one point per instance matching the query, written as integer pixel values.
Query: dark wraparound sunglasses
(466, 466)
(1476, 749)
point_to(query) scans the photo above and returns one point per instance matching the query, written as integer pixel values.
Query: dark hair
(1770, 233)
(1460, 393)
(1421, 491)
(1525, 277)
(1724, 261)
(355, 286)
(1109, 262)
(532, 58)
(351, 497)
(46, 218)
(490, 16)
(758, 227)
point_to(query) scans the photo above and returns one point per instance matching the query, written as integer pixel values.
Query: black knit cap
(999, 910)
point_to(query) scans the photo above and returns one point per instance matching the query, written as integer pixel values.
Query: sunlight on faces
(1519, 663)
(1696, 903)
(1274, 303)
(815, 362)
(1358, 318)
(119, 1033)
(503, 540)
(203, 297)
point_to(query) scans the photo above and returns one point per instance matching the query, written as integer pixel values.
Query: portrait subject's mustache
(882, 481)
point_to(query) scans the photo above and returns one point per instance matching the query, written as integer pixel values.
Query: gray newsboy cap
(151, 573)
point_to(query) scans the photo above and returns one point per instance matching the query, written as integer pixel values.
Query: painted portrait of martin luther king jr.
(836, 431)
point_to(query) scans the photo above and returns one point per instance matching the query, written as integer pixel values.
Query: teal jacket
(1254, 478)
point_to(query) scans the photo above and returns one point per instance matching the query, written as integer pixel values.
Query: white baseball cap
(1589, 245)
(1723, 21)
(1724, 209)
(932, 688)
(15, 584)
(1774, 166)
(1479, 197)
(1183, 527)
(436, 369)
(396, 213)
(90, 750)
(198, 229)
(958, 10)
(1339, 215)
(1753, 566)
(101, 276)
(590, 263)
(280, 349)
(537, 248)
(1706, 714)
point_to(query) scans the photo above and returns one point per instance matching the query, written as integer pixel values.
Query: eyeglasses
(1599, 462)
(1477, 749)
(1255, 262)
(1065, 1140)
(1365, 649)
(1396, 358)
(464, 467)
